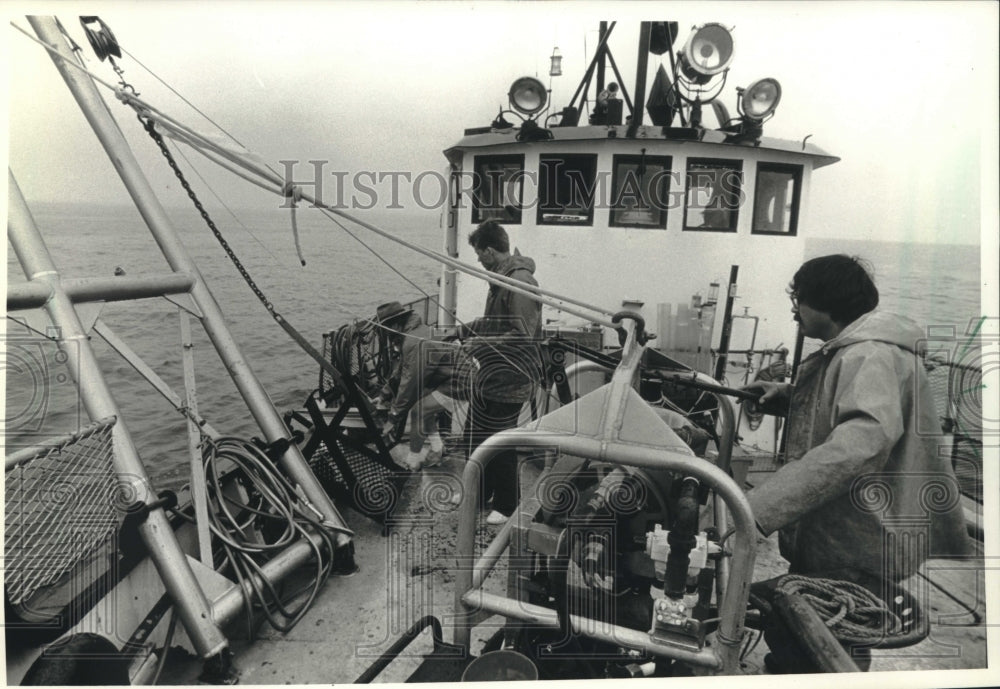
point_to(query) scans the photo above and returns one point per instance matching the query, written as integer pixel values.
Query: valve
(658, 549)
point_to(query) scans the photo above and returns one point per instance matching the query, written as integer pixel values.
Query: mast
(640, 79)
(604, 53)
(121, 156)
(171, 563)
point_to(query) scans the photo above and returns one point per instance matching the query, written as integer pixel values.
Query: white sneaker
(399, 453)
(414, 460)
(495, 518)
(433, 458)
(435, 442)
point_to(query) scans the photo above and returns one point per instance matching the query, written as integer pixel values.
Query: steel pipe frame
(229, 603)
(171, 563)
(34, 294)
(732, 609)
(607, 447)
(727, 432)
(148, 205)
(613, 634)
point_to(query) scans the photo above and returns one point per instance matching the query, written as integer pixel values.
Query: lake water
(936, 285)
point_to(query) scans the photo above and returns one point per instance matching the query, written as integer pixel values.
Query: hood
(516, 262)
(880, 326)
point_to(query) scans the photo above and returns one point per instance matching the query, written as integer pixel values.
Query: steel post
(125, 163)
(164, 550)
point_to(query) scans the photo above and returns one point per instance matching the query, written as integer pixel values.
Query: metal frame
(191, 603)
(174, 251)
(201, 619)
(609, 442)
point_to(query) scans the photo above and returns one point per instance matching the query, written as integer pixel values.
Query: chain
(148, 124)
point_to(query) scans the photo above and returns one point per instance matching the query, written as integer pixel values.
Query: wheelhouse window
(640, 186)
(567, 189)
(714, 190)
(776, 199)
(497, 188)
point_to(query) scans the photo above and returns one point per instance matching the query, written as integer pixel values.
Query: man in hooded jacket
(862, 459)
(505, 344)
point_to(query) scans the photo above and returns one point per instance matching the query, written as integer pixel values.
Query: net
(60, 506)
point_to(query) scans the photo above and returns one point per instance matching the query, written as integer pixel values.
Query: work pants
(487, 417)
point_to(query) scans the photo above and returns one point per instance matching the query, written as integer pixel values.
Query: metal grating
(377, 490)
(59, 507)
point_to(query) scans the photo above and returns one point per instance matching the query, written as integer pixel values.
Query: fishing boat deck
(408, 572)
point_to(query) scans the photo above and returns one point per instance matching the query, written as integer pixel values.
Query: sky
(904, 93)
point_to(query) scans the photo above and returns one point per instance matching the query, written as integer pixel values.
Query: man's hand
(768, 391)
(389, 430)
(478, 344)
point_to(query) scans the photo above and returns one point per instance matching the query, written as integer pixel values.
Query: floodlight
(527, 95)
(760, 99)
(708, 51)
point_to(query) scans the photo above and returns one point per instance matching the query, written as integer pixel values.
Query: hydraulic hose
(682, 539)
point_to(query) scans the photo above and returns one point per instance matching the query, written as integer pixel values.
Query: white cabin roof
(485, 137)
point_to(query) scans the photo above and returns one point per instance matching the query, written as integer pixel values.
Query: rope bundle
(274, 506)
(852, 612)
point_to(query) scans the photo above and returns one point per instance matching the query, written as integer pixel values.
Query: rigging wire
(129, 97)
(223, 203)
(186, 101)
(149, 115)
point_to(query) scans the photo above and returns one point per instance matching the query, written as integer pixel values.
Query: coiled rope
(852, 612)
(275, 508)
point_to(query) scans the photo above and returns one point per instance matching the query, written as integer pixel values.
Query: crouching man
(423, 385)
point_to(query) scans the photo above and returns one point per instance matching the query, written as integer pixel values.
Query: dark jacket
(510, 365)
(424, 365)
(863, 462)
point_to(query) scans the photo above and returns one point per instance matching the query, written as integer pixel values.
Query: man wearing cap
(423, 375)
(505, 344)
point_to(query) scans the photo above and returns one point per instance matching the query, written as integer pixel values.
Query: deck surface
(407, 574)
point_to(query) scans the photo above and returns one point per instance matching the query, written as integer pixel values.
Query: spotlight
(527, 95)
(760, 99)
(708, 51)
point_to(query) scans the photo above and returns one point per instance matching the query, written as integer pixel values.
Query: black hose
(682, 539)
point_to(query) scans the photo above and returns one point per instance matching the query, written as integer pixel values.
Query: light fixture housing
(555, 68)
(707, 52)
(527, 95)
(759, 100)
